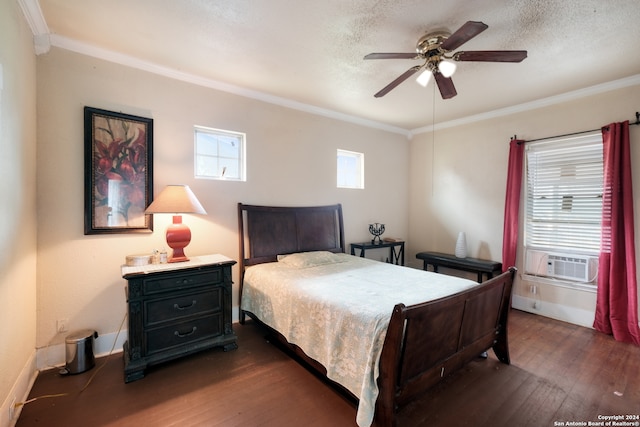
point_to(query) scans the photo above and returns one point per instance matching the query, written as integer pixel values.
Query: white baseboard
(54, 356)
(19, 392)
(564, 313)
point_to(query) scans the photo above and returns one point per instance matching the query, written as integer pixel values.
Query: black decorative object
(376, 229)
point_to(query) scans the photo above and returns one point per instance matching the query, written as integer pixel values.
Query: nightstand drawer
(181, 281)
(162, 339)
(179, 307)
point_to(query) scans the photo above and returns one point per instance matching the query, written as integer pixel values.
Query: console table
(473, 265)
(396, 250)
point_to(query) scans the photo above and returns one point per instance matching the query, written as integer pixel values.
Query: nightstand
(177, 309)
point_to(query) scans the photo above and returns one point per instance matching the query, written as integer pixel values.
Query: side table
(396, 250)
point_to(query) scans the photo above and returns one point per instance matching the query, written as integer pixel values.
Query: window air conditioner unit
(580, 268)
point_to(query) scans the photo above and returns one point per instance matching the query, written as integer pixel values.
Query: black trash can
(79, 351)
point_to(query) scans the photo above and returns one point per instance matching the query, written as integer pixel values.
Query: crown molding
(540, 103)
(35, 19)
(43, 41)
(129, 61)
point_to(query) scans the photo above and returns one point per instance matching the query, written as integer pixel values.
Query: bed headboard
(268, 231)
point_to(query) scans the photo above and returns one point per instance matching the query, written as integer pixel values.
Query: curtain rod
(637, 122)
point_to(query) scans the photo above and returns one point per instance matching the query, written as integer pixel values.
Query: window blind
(564, 194)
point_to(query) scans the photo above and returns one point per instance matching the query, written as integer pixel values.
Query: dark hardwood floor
(559, 373)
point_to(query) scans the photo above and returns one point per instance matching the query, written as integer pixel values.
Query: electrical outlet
(62, 325)
(12, 408)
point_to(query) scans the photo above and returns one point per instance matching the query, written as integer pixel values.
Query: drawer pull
(184, 307)
(179, 335)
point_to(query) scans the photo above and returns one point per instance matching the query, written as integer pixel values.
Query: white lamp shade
(176, 199)
(447, 68)
(423, 79)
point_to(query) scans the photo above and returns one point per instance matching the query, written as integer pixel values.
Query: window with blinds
(564, 194)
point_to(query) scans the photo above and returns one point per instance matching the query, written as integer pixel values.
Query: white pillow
(309, 259)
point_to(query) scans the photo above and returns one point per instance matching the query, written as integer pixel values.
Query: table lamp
(176, 199)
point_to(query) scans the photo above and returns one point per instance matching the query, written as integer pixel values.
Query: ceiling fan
(435, 49)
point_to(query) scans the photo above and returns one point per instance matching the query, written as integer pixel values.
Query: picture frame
(118, 155)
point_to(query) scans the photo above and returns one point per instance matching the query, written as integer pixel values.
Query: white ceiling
(309, 54)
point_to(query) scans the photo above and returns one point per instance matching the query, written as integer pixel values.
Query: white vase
(461, 245)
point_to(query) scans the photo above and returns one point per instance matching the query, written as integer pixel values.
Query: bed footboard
(428, 341)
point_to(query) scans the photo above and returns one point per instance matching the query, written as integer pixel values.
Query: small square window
(350, 169)
(219, 154)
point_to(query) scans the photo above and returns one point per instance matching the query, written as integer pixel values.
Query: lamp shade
(176, 199)
(447, 68)
(424, 77)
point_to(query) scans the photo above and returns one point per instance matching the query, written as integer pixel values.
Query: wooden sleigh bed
(423, 341)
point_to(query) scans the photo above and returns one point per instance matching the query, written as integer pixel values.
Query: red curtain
(617, 301)
(512, 204)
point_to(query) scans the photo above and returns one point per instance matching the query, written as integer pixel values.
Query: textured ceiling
(311, 52)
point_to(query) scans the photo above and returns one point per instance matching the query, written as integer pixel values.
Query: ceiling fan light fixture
(447, 68)
(439, 52)
(424, 77)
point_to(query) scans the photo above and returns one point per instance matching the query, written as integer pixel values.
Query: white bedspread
(337, 310)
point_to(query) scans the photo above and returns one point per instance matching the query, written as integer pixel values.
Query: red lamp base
(178, 237)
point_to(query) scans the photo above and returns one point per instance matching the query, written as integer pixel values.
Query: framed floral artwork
(118, 156)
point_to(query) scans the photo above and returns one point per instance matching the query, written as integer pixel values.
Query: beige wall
(18, 204)
(458, 180)
(291, 159)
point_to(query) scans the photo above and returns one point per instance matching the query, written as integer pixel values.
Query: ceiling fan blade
(445, 84)
(404, 76)
(492, 55)
(463, 34)
(391, 56)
